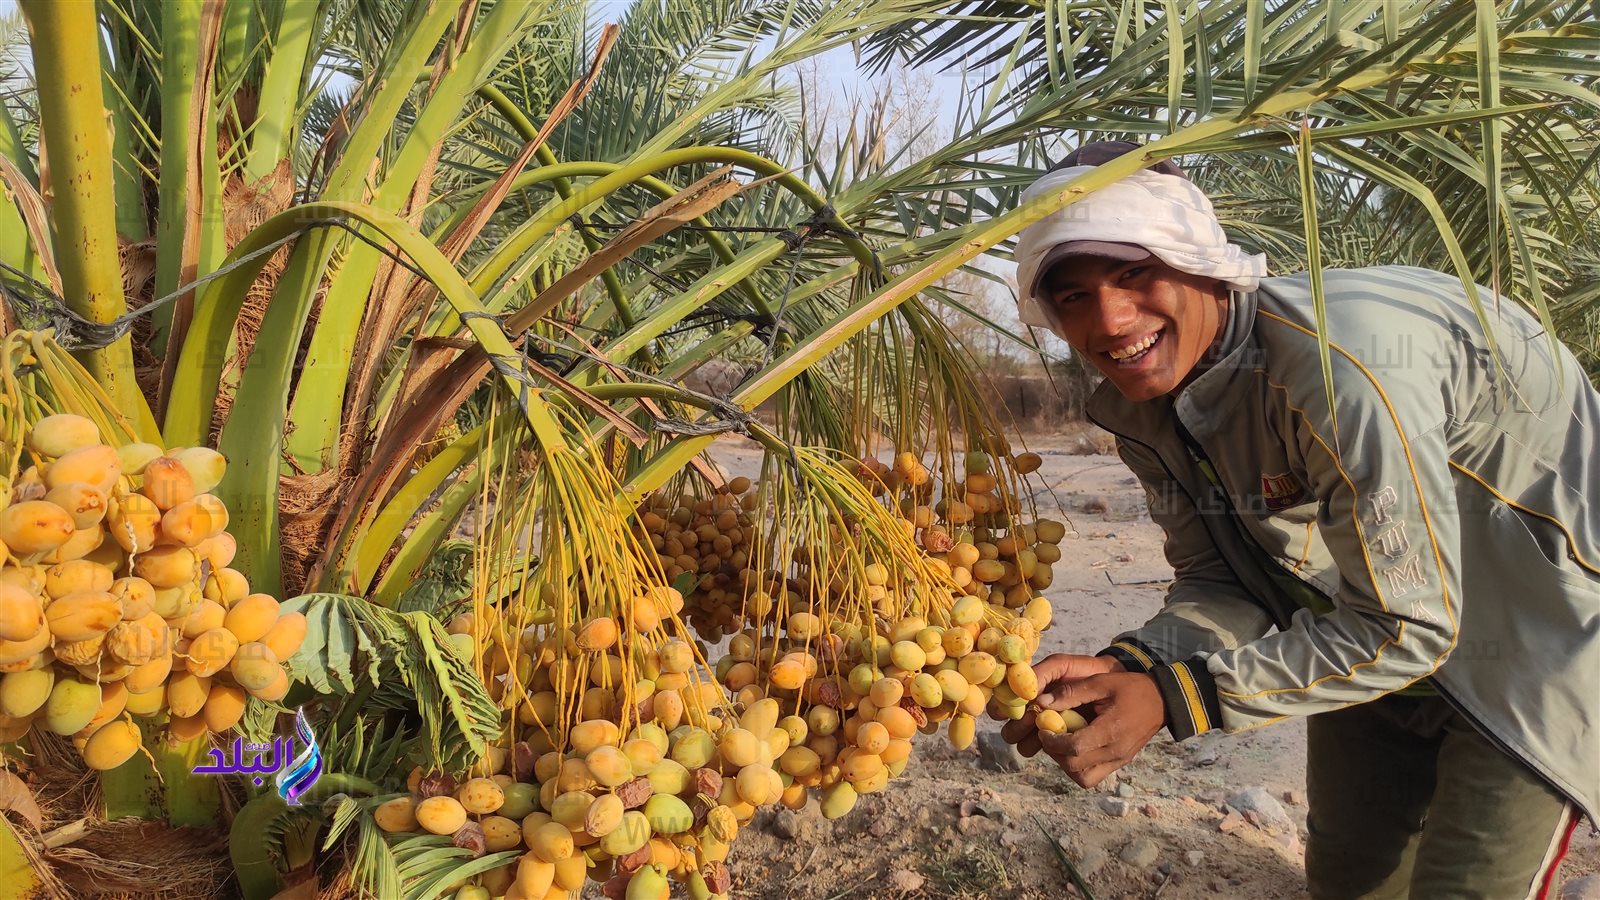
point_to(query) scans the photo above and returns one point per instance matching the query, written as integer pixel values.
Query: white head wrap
(1166, 214)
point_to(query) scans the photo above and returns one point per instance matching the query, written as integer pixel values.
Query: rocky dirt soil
(1214, 817)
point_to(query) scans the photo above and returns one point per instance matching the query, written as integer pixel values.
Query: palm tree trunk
(78, 155)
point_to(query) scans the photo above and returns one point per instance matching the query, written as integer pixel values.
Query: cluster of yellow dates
(647, 747)
(116, 599)
(628, 810)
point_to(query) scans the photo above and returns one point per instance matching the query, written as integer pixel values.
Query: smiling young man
(1409, 559)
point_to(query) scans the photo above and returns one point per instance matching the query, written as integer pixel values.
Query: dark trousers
(1409, 802)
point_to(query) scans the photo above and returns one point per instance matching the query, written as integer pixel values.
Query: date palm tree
(377, 252)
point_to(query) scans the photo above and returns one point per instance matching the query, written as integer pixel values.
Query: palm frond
(377, 659)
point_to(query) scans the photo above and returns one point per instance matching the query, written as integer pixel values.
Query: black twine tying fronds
(783, 304)
(763, 324)
(730, 416)
(514, 372)
(595, 223)
(74, 332)
(821, 222)
(767, 327)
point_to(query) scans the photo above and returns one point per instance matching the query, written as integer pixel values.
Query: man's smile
(1133, 351)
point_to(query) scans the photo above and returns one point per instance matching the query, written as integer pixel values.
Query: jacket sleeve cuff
(1190, 693)
(1133, 654)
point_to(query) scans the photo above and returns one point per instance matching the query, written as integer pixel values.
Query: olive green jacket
(1434, 520)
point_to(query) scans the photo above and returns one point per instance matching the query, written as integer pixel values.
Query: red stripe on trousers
(1550, 874)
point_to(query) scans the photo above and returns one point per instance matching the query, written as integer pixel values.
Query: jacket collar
(1200, 405)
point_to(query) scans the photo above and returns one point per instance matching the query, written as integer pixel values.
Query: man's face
(1144, 324)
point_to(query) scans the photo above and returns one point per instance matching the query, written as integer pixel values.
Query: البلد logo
(294, 777)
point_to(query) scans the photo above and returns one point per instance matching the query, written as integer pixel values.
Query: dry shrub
(145, 860)
(1093, 442)
(1032, 402)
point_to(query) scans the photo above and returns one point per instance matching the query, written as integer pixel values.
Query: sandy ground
(1174, 840)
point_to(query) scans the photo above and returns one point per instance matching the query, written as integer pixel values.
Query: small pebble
(906, 881)
(1092, 860)
(995, 755)
(1141, 853)
(1269, 812)
(1116, 807)
(989, 809)
(786, 824)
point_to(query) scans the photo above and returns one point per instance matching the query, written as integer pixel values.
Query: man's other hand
(1128, 711)
(1125, 711)
(1055, 673)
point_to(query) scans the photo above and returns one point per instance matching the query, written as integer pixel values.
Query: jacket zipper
(1233, 514)
(1502, 746)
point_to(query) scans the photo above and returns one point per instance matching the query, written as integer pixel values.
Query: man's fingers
(1017, 729)
(1073, 694)
(1070, 665)
(1064, 668)
(1092, 777)
(1056, 744)
(1089, 760)
(1097, 734)
(1088, 767)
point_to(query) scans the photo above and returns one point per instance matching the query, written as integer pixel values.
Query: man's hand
(1055, 673)
(1125, 711)
(1059, 670)
(1128, 711)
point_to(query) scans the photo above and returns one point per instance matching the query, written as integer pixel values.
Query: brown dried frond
(79, 854)
(147, 860)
